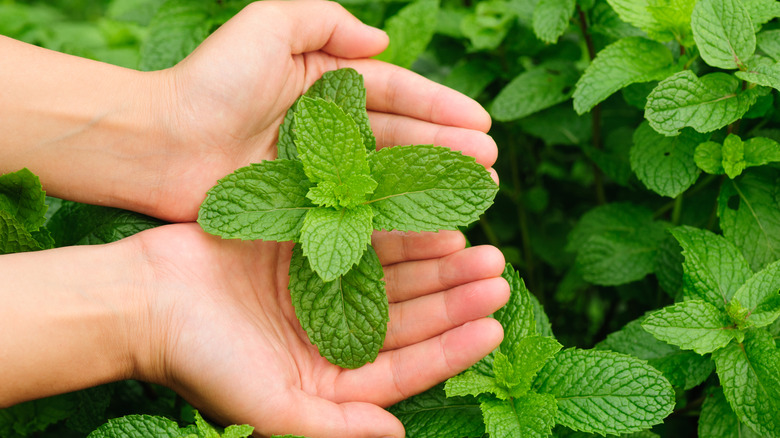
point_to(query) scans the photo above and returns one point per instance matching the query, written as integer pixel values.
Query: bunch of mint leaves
(328, 191)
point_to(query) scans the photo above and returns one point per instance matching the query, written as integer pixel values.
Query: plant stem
(677, 211)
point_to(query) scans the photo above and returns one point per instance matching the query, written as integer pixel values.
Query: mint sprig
(328, 195)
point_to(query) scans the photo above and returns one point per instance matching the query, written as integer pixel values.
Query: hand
(222, 331)
(225, 102)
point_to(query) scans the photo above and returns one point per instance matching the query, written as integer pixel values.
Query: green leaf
(428, 188)
(736, 155)
(25, 419)
(683, 369)
(673, 18)
(760, 296)
(238, 431)
(527, 358)
(176, 30)
(665, 164)
(714, 269)
(624, 62)
(432, 414)
(137, 426)
(604, 392)
(532, 415)
(14, 237)
(765, 73)
(761, 11)
(532, 91)
(723, 33)
(205, 430)
(84, 224)
(517, 315)
(637, 13)
(22, 196)
(410, 31)
(769, 42)
(692, 325)
(335, 240)
(470, 383)
(750, 376)
(488, 25)
(705, 104)
(345, 318)
(347, 194)
(470, 78)
(717, 420)
(551, 18)
(91, 405)
(261, 201)
(616, 243)
(749, 211)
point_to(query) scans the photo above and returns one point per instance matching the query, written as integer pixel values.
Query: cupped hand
(220, 329)
(224, 103)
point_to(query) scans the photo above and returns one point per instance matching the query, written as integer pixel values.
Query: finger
(397, 246)
(391, 130)
(405, 281)
(422, 318)
(399, 374)
(395, 90)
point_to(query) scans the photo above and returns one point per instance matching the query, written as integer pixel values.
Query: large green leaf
(723, 32)
(717, 420)
(434, 415)
(84, 224)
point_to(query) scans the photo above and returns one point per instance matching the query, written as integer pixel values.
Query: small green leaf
(528, 357)
(760, 296)
(604, 392)
(137, 426)
(723, 33)
(551, 18)
(705, 104)
(733, 154)
(624, 62)
(345, 318)
(335, 240)
(84, 224)
(432, 414)
(428, 188)
(665, 164)
(717, 420)
(532, 415)
(25, 419)
(470, 383)
(750, 376)
(692, 325)
(517, 315)
(205, 430)
(736, 155)
(261, 201)
(350, 193)
(714, 269)
(14, 237)
(410, 30)
(709, 157)
(532, 91)
(176, 29)
(22, 196)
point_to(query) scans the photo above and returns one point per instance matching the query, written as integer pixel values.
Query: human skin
(212, 318)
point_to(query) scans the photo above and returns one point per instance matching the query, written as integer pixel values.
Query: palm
(234, 348)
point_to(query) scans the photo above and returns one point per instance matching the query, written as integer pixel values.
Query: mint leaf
(760, 295)
(736, 155)
(84, 224)
(335, 240)
(91, 405)
(517, 315)
(705, 104)
(528, 356)
(410, 31)
(692, 325)
(765, 73)
(206, 430)
(427, 188)
(723, 33)
(717, 420)
(551, 18)
(637, 13)
(761, 11)
(624, 62)
(25, 419)
(14, 237)
(470, 78)
(285, 144)
(769, 42)
(176, 29)
(714, 269)
(137, 426)
(673, 18)
(434, 415)
(750, 376)
(665, 164)
(532, 91)
(488, 25)
(345, 318)
(749, 211)
(532, 415)
(22, 196)
(683, 369)
(604, 392)
(470, 383)
(349, 193)
(261, 201)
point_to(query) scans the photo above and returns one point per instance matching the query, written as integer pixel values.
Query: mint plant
(328, 196)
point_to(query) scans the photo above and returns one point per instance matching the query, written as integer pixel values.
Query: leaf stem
(677, 210)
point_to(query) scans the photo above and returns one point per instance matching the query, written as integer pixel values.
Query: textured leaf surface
(532, 91)
(766, 74)
(714, 269)
(261, 201)
(637, 13)
(683, 369)
(83, 224)
(736, 155)
(428, 188)
(532, 415)
(517, 315)
(622, 63)
(91, 405)
(717, 420)
(137, 426)
(528, 357)
(410, 31)
(605, 392)
(434, 415)
(749, 210)
(665, 165)
(705, 104)
(175, 30)
(760, 295)
(346, 318)
(769, 42)
(25, 419)
(750, 376)
(22, 196)
(692, 325)
(723, 32)
(470, 383)
(551, 18)
(14, 237)
(761, 11)
(335, 240)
